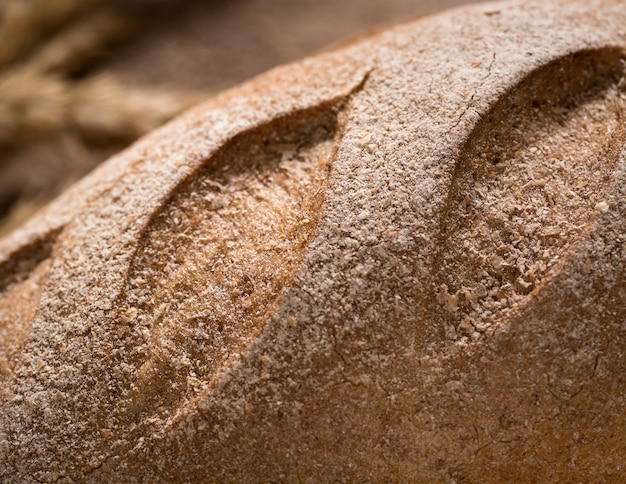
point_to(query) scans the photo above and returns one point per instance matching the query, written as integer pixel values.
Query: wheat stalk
(37, 100)
(80, 42)
(31, 105)
(104, 109)
(38, 97)
(100, 109)
(25, 22)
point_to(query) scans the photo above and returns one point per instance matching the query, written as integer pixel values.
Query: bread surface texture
(403, 260)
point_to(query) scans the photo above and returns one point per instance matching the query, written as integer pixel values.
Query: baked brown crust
(402, 261)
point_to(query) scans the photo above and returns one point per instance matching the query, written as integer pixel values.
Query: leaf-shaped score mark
(532, 176)
(22, 277)
(213, 262)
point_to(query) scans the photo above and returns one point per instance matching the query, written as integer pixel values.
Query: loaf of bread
(403, 260)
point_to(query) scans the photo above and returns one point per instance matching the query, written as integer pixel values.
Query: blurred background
(82, 79)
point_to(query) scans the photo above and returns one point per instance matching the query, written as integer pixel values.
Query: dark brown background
(205, 46)
(216, 44)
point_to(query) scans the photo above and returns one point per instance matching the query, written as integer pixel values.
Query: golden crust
(402, 260)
